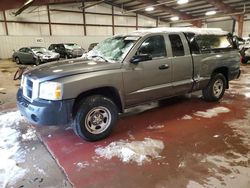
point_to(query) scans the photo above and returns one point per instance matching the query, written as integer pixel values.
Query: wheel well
(108, 92)
(224, 71)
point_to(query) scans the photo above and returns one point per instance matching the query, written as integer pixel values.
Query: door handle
(165, 66)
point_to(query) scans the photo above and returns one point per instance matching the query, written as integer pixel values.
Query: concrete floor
(201, 144)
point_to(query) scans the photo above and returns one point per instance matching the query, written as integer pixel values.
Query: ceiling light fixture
(181, 2)
(149, 9)
(209, 13)
(174, 18)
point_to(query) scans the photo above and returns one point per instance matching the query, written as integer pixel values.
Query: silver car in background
(34, 55)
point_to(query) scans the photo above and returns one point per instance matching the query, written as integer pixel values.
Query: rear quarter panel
(206, 64)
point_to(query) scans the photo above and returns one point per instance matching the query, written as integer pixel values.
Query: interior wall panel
(121, 20)
(145, 21)
(96, 31)
(27, 29)
(98, 19)
(120, 11)
(225, 25)
(66, 30)
(65, 17)
(2, 29)
(123, 30)
(1, 15)
(100, 8)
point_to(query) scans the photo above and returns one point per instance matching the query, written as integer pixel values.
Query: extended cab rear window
(208, 43)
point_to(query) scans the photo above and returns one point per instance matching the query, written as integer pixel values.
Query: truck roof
(198, 31)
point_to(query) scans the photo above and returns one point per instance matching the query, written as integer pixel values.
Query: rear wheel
(95, 118)
(215, 88)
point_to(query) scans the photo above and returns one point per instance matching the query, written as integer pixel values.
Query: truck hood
(64, 68)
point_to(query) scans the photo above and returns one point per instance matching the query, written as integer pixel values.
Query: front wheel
(17, 60)
(215, 89)
(95, 118)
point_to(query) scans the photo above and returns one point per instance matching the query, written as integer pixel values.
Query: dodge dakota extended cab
(127, 70)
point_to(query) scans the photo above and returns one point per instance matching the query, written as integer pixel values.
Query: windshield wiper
(94, 56)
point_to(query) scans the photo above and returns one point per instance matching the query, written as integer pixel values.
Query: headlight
(50, 91)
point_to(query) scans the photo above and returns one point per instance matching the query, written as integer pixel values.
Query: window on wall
(176, 44)
(154, 46)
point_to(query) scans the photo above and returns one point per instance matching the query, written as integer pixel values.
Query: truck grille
(27, 88)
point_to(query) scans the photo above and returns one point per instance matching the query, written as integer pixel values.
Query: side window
(28, 50)
(61, 46)
(213, 42)
(51, 47)
(25, 50)
(22, 50)
(154, 46)
(177, 46)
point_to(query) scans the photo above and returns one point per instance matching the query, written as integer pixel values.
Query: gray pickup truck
(127, 70)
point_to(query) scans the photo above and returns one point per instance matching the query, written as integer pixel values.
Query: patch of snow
(11, 154)
(193, 184)
(186, 117)
(41, 171)
(130, 135)
(135, 151)
(29, 135)
(182, 164)
(238, 173)
(247, 94)
(155, 127)
(81, 165)
(212, 112)
(198, 31)
(10, 118)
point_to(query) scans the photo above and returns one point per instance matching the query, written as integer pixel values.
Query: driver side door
(149, 79)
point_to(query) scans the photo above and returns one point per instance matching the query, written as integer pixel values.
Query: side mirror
(142, 57)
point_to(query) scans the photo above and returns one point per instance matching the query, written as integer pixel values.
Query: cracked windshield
(113, 49)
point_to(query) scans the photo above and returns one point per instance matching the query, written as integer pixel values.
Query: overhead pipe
(25, 6)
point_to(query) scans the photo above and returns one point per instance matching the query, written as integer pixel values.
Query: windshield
(38, 49)
(113, 49)
(71, 46)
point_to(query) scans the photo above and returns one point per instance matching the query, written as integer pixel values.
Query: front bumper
(44, 112)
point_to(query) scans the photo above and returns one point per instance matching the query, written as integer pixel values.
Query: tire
(17, 60)
(37, 62)
(95, 117)
(215, 89)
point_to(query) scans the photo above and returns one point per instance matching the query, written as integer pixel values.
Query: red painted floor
(189, 145)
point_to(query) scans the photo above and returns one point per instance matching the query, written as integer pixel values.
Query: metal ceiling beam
(174, 12)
